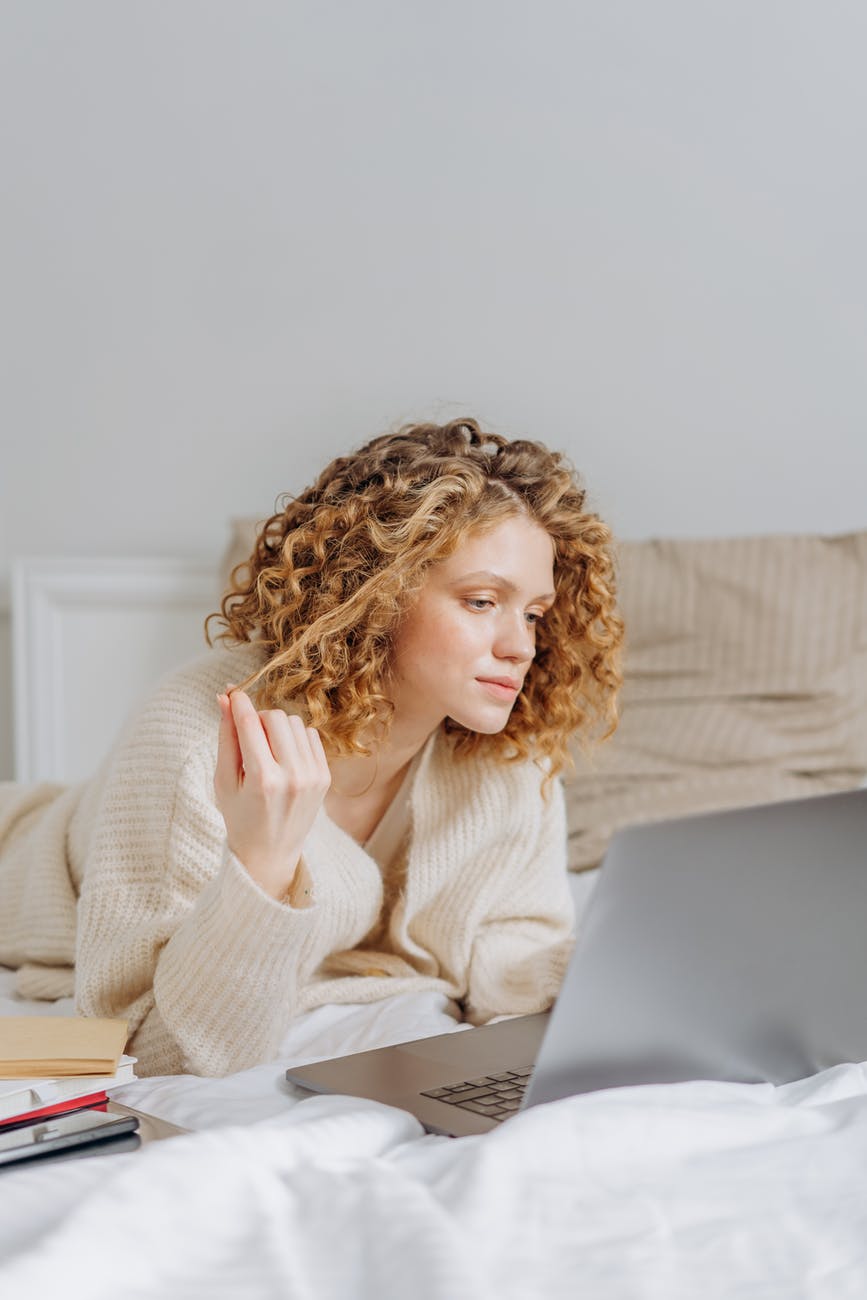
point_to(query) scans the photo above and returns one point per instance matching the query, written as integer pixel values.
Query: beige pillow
(745, 680)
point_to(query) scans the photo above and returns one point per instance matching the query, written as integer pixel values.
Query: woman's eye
(479, 602)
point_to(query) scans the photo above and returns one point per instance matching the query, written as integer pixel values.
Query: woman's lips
(499, 690)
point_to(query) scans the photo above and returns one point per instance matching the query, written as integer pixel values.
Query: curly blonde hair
(336, 567)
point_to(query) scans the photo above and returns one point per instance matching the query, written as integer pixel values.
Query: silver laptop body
(727, 946)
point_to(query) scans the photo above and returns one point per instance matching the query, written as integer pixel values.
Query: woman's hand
(271, 778)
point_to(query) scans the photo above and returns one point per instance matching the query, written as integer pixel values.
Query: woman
(402, 662)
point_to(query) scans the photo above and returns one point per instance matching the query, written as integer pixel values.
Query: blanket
(694, 1189)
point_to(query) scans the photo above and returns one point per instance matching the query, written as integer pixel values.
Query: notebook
(724, 945)
(20, 1097)
(48, 1046)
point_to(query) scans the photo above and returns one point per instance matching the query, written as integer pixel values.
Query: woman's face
(464, 648)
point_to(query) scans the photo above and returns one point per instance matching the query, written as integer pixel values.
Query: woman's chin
(488, 723)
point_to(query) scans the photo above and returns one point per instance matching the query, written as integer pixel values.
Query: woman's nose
(515, 641)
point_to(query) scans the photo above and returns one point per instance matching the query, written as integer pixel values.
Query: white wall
(239, 237)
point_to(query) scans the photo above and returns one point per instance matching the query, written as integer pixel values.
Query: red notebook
(96, 1101)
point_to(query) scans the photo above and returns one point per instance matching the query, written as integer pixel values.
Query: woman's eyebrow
(497, 580)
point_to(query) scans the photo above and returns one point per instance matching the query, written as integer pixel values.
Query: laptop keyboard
(496, 1095)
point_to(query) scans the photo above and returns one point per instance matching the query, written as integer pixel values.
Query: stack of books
(53, 1064)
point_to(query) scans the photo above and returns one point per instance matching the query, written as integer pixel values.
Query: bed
(739, 690)
(672, 1191)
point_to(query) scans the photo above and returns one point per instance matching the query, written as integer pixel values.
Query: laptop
(725, 945)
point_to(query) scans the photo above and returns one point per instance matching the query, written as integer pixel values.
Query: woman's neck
(388, 759)
(362, 787)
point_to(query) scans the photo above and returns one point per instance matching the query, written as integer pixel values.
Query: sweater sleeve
(521, 949)
(173, 933)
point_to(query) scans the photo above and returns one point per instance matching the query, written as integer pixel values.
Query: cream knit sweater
(175, 936)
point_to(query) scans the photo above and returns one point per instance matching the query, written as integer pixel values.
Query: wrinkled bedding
(697, 1189)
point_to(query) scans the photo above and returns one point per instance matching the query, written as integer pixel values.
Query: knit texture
(174, 935)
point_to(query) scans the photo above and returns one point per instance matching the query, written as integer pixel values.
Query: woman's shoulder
(199, 679)
(167, 743)
(181, 712)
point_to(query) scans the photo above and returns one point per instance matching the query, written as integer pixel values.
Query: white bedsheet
(693, 1190)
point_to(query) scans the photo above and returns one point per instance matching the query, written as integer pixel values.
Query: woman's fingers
(256, 752)
(318, 750)
(272, 776)
(298, 751)
(259, 741)
(287, 738)
(229, 761)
